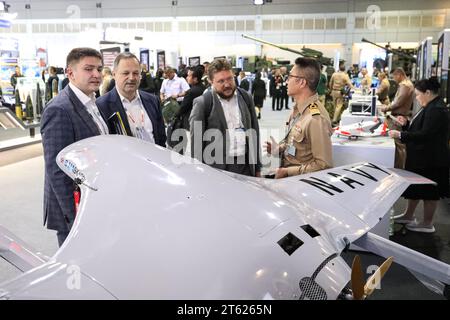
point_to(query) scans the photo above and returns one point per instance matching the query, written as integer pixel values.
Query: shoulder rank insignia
(313, 109)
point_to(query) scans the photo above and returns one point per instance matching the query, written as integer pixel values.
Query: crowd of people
(219, 114)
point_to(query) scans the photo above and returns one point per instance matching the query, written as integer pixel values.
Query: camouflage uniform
(383, 91)
(366, 83)
(402, 105)
(337, 83)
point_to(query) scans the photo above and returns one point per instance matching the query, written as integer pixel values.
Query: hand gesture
(281, 173)
(272, 147)
(394, 134)
(402, 120)
(383, 108)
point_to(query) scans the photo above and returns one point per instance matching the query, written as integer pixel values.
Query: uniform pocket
(298, 135)
(301, 144)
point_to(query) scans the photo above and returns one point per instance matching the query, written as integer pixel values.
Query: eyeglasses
(292, 76)
(222, 81)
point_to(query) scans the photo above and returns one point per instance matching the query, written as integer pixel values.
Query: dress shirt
(91, 108)
(235, 125)
(140, 124)
(174, 87)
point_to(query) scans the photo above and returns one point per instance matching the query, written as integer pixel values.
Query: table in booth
(378, 150)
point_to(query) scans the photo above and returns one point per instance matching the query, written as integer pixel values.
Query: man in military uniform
(366, 81)
(401, 106)
(383, 88)
(307, 144)
(337, 84)
(322, 86)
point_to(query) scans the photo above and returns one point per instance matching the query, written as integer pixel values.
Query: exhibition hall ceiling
(87, 9)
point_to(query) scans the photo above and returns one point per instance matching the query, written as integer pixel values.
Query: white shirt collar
(123, 99)
(85, 99)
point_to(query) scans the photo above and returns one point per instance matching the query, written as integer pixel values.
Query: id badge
(143, 134)
(291, 150)
(237, 139)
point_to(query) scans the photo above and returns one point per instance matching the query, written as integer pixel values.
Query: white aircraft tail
(346, 202)
(437, 273)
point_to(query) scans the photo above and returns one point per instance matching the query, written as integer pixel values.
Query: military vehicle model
(403, 58)
(305, 52)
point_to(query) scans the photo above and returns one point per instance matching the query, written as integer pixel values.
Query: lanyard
(96, 117)
(134, 121)
(292, 124)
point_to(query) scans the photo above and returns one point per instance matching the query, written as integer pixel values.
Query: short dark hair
(431, 84)
(218, 65)
(399, 71)
(170, 69)
(122, 56)
(311, 71)
(76, 54)
(197, 72)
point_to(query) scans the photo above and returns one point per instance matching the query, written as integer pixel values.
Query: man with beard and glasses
(139, 111)
(223, 123)
(71, 116)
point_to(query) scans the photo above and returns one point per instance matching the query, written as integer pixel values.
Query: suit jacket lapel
(149, 111)
(217, 105)
(82, 112)
(116, 105)
(418, 116)
(243, 109)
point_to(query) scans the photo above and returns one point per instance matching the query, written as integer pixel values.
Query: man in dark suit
(140, 111)
(71, 116)
(227, 115)
(179, 140)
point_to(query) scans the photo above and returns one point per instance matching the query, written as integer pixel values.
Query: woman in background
(259, 93)
(426, 139)
(107, 82)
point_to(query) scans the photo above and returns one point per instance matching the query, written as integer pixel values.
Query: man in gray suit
(69, 117)
(225, 115)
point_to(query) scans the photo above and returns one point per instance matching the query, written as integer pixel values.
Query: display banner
(194, 61)
(109, 55)
(161, 59)
(144, 57)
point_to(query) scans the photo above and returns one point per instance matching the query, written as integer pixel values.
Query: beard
(226, 96)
